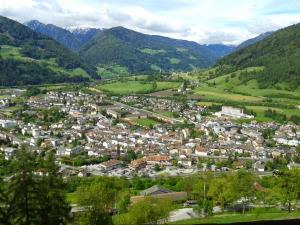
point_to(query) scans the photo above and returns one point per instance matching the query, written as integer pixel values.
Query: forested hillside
(30, 58)
(278, 54)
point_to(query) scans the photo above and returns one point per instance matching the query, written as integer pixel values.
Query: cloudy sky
(204, 21)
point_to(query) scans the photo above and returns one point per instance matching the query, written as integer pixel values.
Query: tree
(4, 205)
(244, 187)
(147, 211)
(221, 191)
(200, 190)
(154, 85)
(97, 200)
(289, 187)
(23, 189)
(35, 194)
(53, 208)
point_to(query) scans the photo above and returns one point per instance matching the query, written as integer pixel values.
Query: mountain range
(39, 53)
(137, 52)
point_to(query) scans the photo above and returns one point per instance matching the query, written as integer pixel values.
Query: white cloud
(213, 21)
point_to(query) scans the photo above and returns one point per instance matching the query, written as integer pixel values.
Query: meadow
(135, 87)
(229, 218)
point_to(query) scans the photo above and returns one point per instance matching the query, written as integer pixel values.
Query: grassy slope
(229, 88)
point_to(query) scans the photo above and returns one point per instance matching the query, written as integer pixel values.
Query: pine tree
(23, 191)
(53, 208)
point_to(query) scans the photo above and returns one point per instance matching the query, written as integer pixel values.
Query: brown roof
(157, 158)
(112, 162)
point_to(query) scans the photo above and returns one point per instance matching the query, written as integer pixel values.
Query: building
(159, 192)
(9, 153)
(201, 151)
(232, 112)
(8, 123)
(111, 164)
(138, 164)
(158, 159)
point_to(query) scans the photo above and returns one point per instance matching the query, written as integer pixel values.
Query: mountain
(142, 53)
(72, 40)
(31, 58)
(221, 50)
(278, 55)
(254, 40)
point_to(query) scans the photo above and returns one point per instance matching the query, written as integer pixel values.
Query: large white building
(233, 112)
(8, 123)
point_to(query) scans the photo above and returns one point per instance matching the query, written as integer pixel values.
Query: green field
(147, 122)
(136, 87)
(109, 71)
(236, 218)
(174, 61)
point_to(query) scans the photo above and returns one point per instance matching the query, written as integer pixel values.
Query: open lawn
(147, 122)
(236, 218)
(136, 87)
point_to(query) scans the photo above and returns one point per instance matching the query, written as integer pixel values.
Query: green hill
(141, 53)
(30, 58)
(279, 54)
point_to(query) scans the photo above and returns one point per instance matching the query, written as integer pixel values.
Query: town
(94, 134)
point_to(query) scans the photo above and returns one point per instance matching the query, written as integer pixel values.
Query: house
(113, 113)
(111, 164)
(259, 166)
(138, 164)
(201, 151)
(159, 192)
(9, 153)
(185, 163)
(158, 159)
(8, 123)
(293, 165)
(155, 190)
(68, 151)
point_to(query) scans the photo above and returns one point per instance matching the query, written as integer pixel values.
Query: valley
(115, 126)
